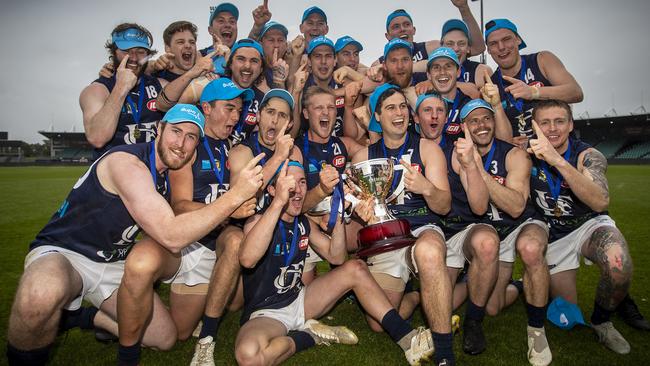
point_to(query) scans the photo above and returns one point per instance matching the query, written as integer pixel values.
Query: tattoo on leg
(607, 243)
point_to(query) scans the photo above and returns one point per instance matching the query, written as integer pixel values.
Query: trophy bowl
(374, 179)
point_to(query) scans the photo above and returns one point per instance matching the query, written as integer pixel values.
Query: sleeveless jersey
(521, 117)
(126, 126)
(340, 108)
(248, 120)
(503, 223)
(95, 223)
(407, 205)
(333, 153)
(207, 186)
(419, 52)
(468, 71)
(275, 281)
(452, 128)
(166, 75)
(574, 212)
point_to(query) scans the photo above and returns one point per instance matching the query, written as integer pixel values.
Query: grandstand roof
(615, 119)
(64, 136)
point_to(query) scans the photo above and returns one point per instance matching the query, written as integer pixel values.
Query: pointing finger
(255, 160)
(486, 77)
(123, 63)
(512, 80)
(266, 4)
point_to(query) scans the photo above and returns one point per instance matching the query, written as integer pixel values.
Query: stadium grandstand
(11, 151)
(68, 146)
(622, 139)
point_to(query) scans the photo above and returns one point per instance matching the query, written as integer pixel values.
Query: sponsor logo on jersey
(453, 128)
(151, 105)
(304, 242)
(251, 119)
(417, 167)
(538, 84)
(340, 102)
(501, 180)
(205, 165)
(338, 161)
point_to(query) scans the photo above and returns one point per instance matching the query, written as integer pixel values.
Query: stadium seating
(635, 151)
(610, 147)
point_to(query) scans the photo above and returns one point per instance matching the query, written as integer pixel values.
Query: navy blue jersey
(248, 122)
(407, 205)
(340, 107)
(253, 143)
(166, 75)
(574, 212)
(452, 128)
(211, 176)
(126, 124)
(95, 223)
(520, 112)
(275, 281)
(316, 155)
(468, 71)
(419, 52)
(501, 221)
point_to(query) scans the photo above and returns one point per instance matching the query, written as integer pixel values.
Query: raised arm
(490, 93)
(261, 15)
(470, 174)
(478, 44)
(331, 249)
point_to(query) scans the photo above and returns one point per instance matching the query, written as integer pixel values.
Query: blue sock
(474, 312)
(302, 340)
(395, 326)
(128, 355)
(536, 315)
(443, 343)
(34, 357)
(209, 327)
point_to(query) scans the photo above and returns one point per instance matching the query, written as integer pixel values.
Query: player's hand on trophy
(543, 149)
(329, 178)
(489, 91)
(465, 149)
(365, 210)
(125, 77)
(262, 14)
(249, 180)
(414, 181)
(285, 185)
(246, 209)
(519, 89)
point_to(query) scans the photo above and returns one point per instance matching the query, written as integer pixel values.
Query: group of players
(239, 198)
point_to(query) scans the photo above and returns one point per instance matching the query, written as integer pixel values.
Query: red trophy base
(384, 237)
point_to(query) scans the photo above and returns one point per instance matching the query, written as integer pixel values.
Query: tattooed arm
(588, 182)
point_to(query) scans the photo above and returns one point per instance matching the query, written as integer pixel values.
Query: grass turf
(32, 194)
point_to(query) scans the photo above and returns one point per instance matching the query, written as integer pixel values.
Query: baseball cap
(225, 89)
(278, 93)
(227, 7)
(344, 41)
(246, 42)
(313, 10)
(374, 98)
(441, 52)
(395, 14)
(423, 97)
(273, 25)
(472, 105)
(130, 38)
(181, 113)
(318, 41)
(396, 43)
(495, 24)
(564, 314)
(455, 24)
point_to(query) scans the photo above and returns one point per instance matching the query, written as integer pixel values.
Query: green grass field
(30, 196)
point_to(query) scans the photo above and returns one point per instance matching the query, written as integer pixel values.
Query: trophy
(374, 178)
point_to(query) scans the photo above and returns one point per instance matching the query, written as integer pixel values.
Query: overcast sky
(53, 49)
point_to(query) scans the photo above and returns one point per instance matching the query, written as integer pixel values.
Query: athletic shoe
(539, 353)
(455, 323)
(630, 313)
(197, 331)
(421, 347)
(611, 338)
(104, 336)
(446, 362)
(473, 337)
(204, 352)
(328, 334)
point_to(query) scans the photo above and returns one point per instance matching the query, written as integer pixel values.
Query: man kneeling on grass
(276, 303)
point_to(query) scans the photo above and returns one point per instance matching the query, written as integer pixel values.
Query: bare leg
(531, 246)
(482, 248)
(564, 284)
(263, 341)
(497, 299)
(186, 310)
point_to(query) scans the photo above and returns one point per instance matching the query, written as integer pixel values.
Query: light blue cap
(313, 10)
(397, 43)
(495, 24)
(274, 25)
(344, 41)
(455, 24)
(318, 41)
(564, 314)
(278, 93)
(246, 42)
(131, 38)
(445, 52)
(181, 113)
(225, 89)
(224, 7)
(423, 97)
(472, 105)
(374, 98)
(395, 14)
